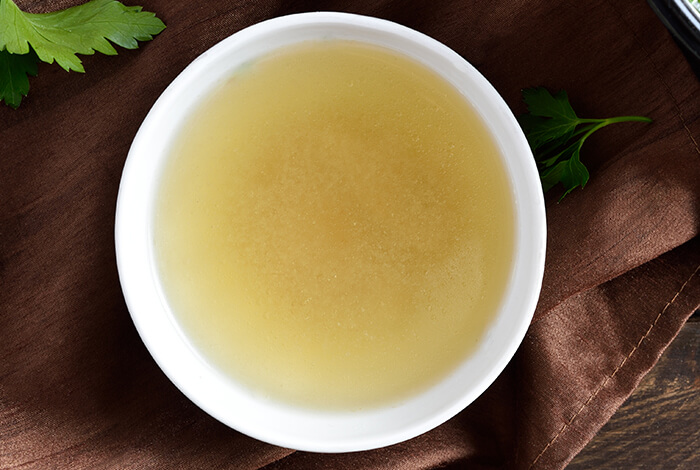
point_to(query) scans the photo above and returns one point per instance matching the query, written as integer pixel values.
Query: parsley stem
(547, 162)
(627, 119)
(546, 152)
(603, 123)
(582, 129)
(615, 119)
(546, 156)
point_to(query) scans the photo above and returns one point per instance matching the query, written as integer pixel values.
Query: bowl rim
(297, 428)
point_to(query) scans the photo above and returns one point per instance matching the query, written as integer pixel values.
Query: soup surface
(334, 227)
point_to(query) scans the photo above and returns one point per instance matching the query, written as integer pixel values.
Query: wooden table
(658, 427)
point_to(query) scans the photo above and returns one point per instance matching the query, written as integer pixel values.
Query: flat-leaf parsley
(556, 135)
(26, 38)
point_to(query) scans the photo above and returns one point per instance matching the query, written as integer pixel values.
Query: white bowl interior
(222, 397)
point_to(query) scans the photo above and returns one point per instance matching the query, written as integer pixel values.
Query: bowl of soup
(330, 232)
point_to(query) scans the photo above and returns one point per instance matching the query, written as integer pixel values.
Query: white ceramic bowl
(222, 397)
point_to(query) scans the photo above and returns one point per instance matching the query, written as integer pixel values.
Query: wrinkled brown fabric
(79, 390)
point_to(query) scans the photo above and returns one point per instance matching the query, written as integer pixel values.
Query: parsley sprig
(556, 135)
(27, 38)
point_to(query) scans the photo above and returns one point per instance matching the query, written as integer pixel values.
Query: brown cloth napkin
(78, 388)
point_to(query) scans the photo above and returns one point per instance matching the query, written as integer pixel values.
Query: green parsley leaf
(14, 82)
(60, 36)
(556, 134)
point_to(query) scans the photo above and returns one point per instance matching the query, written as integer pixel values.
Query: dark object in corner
(683, 21)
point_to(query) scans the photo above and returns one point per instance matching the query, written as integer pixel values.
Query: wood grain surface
(658, 427)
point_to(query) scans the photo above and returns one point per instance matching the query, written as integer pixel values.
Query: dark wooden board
(658, 427)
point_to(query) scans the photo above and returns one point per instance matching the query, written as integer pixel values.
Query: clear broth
(334, 227)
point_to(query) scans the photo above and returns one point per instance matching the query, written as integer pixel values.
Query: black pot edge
(687, 36)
